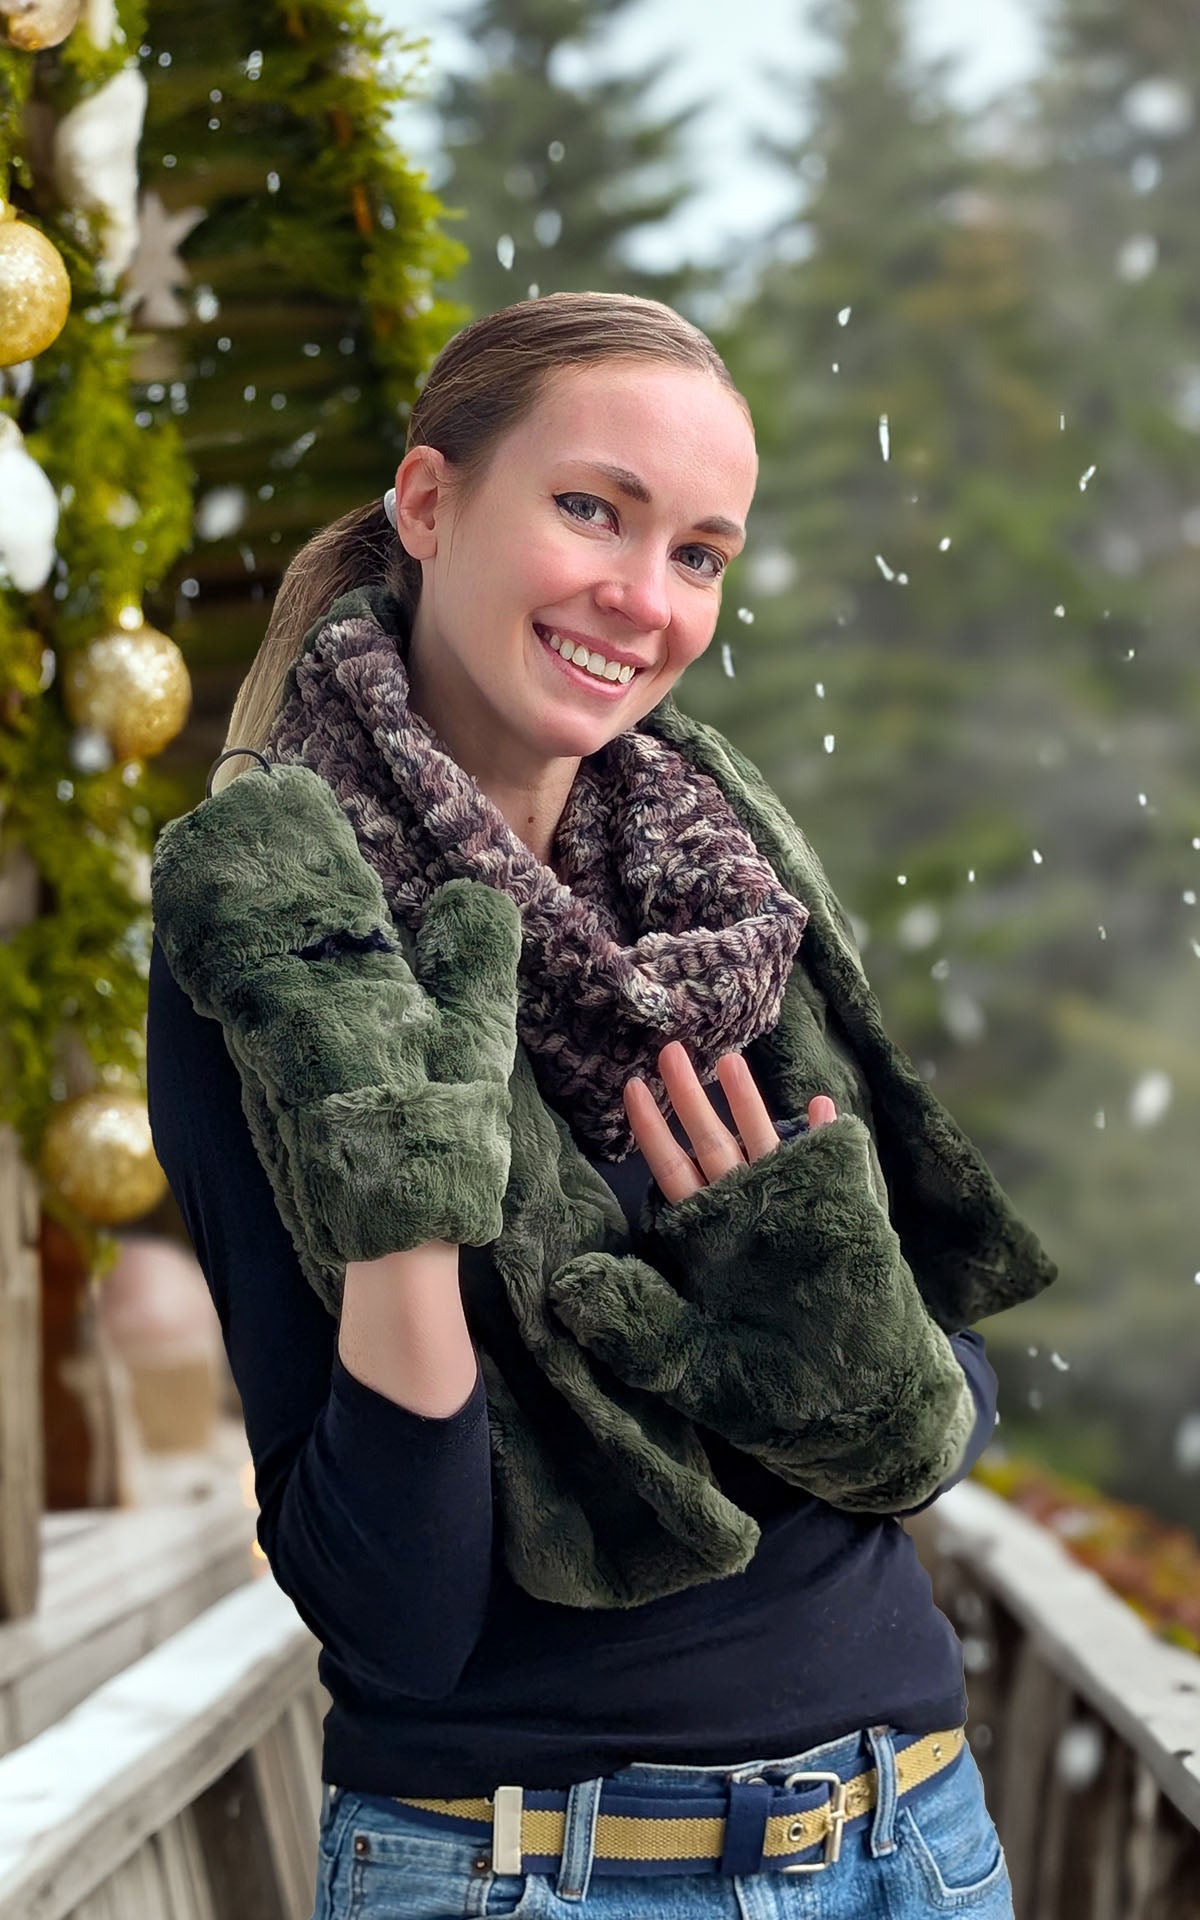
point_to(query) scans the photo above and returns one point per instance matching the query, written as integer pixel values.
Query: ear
(422, 494)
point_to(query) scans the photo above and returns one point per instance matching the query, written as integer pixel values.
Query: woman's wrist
(403, 1331)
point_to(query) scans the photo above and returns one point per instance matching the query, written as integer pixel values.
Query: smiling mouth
(569, 656)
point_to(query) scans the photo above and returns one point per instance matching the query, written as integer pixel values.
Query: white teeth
(593, 663)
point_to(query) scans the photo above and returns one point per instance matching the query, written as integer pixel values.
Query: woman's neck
(530, 797)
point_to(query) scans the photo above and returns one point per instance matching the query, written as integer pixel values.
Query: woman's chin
(561, 732)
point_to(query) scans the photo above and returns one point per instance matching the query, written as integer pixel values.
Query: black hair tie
(228, 755)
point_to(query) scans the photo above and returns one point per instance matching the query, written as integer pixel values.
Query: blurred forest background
(962, 640)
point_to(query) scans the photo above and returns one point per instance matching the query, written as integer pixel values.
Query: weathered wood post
(21, 1463)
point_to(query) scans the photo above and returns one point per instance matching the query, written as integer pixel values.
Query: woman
(595, 1522)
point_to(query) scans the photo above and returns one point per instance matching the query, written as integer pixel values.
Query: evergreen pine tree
(552, 175)
(1034, 383)
(1108, 194)
(1116, 191)
(915, 502)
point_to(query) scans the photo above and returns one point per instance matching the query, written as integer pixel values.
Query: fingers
(716, 1149)
(714, 1146)
(754, 1124)
(668, 1163)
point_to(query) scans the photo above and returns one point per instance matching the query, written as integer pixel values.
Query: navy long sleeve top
(446, 1678)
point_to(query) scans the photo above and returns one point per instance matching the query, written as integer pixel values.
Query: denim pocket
(950, 1841)
(400, 1869)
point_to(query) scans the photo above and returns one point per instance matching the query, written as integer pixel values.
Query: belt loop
(745, 1826)
(882, 1836)
(507, 1817)
(579, 1840)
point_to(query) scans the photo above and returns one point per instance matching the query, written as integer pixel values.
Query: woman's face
(607, 516)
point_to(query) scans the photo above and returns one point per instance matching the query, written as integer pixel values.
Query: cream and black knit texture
(659, 920)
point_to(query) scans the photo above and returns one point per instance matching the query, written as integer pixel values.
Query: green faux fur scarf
(798, 1306)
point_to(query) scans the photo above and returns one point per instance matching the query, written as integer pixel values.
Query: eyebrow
(636, 489)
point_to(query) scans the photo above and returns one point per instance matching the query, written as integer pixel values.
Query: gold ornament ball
(133, 686)
(34, 24)
(35, 292)
(98, 1155)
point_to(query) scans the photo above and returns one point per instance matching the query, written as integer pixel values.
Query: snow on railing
(188, 1784)
(1086, 1726)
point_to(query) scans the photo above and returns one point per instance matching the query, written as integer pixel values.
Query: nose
(639, 591)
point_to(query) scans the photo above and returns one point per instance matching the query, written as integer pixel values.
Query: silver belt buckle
(837, 1814)
(507, 1806)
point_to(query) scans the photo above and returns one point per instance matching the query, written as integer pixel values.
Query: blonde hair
(484, 382)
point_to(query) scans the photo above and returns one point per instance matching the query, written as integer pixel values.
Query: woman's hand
(716, 1149)
(779, 1312)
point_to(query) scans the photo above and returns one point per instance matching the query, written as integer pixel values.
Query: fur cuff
(780, 1313)
(381, 1088)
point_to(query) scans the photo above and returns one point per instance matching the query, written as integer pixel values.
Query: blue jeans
(933, 1851)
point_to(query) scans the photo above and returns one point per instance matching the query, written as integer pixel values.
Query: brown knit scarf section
(666, 923)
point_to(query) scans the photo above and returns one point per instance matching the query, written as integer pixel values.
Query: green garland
(318, 239)
(16, 78)
(367, 229)
(78, 969)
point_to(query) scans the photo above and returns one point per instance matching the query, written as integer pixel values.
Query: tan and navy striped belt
(702, 1830)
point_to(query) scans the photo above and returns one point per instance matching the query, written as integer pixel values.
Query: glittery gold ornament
(131, 685)
(34, 24)
(97, 1155)
(35, 292)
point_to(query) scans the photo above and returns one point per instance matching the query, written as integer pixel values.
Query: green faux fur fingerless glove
(774, 1306)
(378, 1090)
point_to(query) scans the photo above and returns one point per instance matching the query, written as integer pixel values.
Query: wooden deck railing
(186, 1787)
(1086, 1727)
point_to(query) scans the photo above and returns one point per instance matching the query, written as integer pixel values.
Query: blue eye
(593, 499)
(709, 554)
